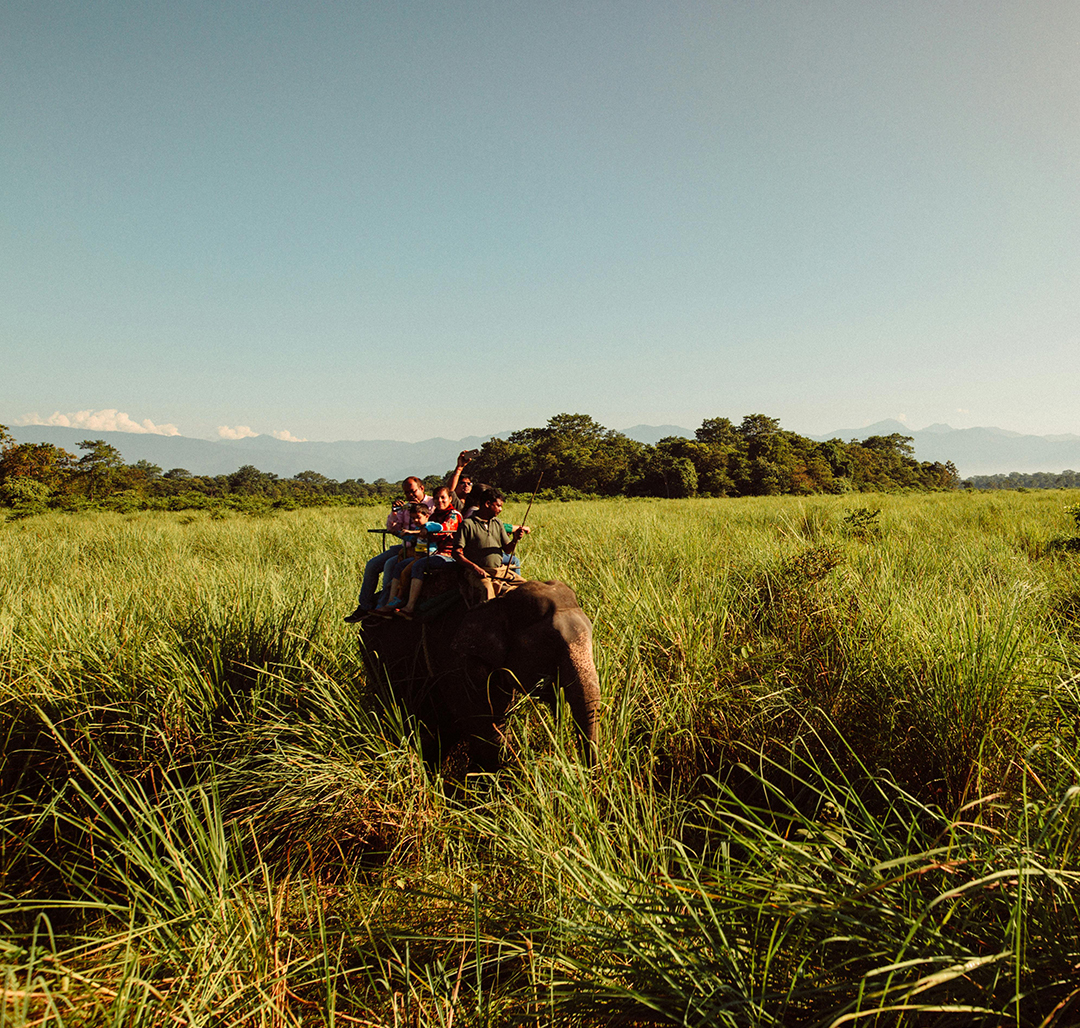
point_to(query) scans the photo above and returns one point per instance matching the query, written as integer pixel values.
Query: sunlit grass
(839, 774)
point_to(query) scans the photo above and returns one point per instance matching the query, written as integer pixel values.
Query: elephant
(456, 672)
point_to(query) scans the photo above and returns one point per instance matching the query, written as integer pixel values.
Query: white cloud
(111, 420)
(962, 410)
(902, 417)
(287, 437)
(240, 432)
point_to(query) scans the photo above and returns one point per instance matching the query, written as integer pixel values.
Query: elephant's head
(536, 631)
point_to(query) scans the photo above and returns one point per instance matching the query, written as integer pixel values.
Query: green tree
(758, 428)
(834, 453)
(504, 463)
(670, 468)
(682, 477)
(572, 451)
(717, 432)
(576, 426)
(24, 495)
(249, 480)
(714, 477)
(99, 468)
(888, 461)
(144, 469)
(895, 444)
(43, 462)
(141, 475)
(766, 477)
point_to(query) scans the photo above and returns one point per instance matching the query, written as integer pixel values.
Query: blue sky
(402, 220)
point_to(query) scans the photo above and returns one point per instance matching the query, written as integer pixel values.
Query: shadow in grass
(1063, 545)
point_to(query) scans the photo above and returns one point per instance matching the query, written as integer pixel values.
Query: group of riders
(460, 526)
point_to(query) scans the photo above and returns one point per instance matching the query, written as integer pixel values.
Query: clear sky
(347, 220)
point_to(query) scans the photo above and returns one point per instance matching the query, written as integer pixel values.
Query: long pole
(506, 567)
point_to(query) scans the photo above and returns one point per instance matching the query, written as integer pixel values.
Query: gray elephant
(456, 673)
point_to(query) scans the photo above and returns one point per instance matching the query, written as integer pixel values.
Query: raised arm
(454, 477)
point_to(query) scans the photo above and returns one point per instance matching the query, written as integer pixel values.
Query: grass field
(838, 780)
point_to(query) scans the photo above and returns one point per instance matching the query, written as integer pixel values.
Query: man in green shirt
(480, 544)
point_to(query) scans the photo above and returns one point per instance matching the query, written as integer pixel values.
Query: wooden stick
(506, 566)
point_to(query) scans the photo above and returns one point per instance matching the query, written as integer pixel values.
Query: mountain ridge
(974, 451)
(343, 459)
(984, 450)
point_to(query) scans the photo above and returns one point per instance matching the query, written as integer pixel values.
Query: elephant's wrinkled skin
(457, 673)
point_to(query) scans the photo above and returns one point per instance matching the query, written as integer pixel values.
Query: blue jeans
(380, 564)
(389, 573)
(425, 564)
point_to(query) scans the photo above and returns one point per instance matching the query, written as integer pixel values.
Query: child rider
(441, 529)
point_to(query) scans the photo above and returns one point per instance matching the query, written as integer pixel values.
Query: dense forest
(572, 456)
(755, 458)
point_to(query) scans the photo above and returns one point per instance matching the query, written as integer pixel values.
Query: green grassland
(838, 780)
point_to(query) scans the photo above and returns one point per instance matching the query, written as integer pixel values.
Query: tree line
(1068, 479)
(35, 477)
(575, 455)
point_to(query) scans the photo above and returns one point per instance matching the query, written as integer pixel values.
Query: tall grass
(838, 780)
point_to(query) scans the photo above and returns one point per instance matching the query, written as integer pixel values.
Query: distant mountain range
(369, 459)
(974, 451)
(979, 451)
(652, 434)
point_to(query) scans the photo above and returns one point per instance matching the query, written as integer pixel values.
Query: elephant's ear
(483, 634)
